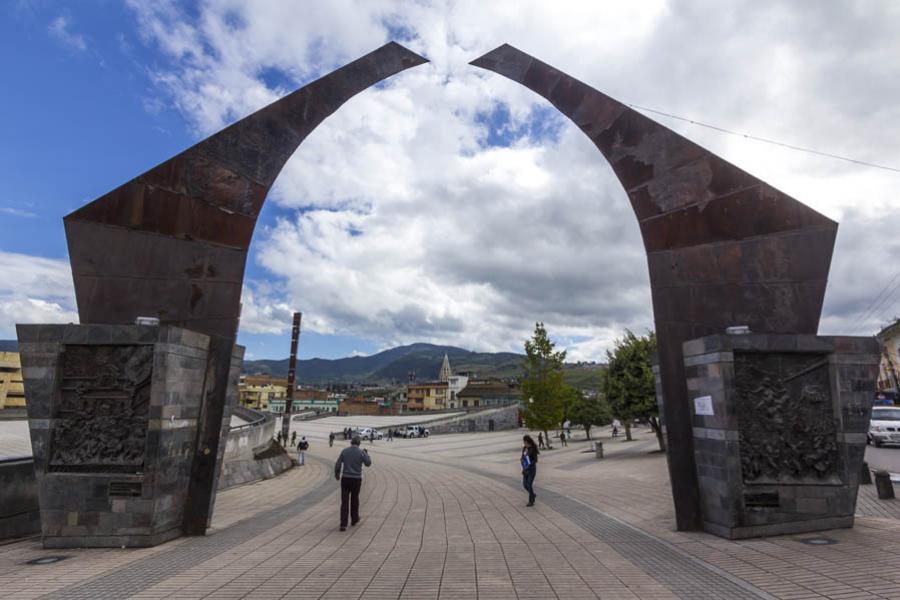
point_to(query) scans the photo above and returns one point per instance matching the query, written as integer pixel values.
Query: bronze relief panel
(102, 410)
(788, 427)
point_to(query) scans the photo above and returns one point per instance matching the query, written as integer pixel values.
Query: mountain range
(396, 364)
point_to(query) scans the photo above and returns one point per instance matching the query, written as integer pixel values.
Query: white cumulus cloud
(34, 289)
(451, 205)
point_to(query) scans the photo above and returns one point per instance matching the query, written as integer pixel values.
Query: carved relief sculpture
(100, 421)
(788, 432)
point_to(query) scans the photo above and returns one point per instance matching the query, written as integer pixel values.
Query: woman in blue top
(529, 467)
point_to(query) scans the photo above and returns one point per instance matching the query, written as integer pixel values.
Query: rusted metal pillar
(723, 248)
(292, 372)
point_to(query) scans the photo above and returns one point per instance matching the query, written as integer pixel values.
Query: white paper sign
(703, 406)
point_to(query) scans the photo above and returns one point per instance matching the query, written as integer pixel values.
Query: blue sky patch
(544, 124)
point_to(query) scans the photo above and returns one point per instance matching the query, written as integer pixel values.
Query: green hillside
(396, 364)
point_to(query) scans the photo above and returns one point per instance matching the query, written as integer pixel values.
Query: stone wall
(231, 405)
(19, 514)
(779, 425)
(246, 458)
(113, 413)
(505, 417)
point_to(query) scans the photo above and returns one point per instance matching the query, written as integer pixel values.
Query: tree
(630, 386)
(589, 411)
(542, 383)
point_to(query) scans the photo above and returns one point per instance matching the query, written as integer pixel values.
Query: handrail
(254, 418)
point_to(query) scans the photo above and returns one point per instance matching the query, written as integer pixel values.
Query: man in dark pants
(351, 460)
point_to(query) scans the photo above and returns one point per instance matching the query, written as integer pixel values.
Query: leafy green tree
(589, 411)
(542, 383)
(630, 386)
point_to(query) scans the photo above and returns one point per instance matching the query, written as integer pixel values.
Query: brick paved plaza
(445, 517)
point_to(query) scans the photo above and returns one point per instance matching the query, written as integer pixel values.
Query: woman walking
(529, 467)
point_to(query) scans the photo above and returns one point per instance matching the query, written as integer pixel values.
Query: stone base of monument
(780, 426)
(113, 412)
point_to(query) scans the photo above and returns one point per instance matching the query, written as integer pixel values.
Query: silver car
(370, 433)
(885, 425)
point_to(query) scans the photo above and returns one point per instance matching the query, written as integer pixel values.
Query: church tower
(445, 369)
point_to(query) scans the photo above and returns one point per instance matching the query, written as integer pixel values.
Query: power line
(766, 140)
(886, 300)
(884, 303)
(871, 308)
(884, 316)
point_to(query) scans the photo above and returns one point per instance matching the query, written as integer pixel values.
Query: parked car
(885, 425)
(414, 431)
(370, 433)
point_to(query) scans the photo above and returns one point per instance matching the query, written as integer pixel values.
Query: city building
(488, 392)
(362, 406)
(445, 372)
(398, 400)
(427, 395)
(436, 395)
(262, 392)
(12, 391)
(889, 371)
(320, 401)
(455, 383)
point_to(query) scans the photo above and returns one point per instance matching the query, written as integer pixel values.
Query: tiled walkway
(446, 518)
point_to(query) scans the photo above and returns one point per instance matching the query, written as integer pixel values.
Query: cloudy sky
(448, 205)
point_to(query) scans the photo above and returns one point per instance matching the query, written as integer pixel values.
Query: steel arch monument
(172, 243)
(723, 248)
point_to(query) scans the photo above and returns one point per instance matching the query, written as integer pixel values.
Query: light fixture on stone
(737, 330)
(147, 321)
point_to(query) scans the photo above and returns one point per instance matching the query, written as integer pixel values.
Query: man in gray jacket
(352, 460)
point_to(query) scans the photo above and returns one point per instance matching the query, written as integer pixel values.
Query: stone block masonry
(19, 515)
(779, 424)
(248, 456)
(113, 412)
(492, 419)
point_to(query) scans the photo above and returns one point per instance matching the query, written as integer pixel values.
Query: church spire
(445, 369)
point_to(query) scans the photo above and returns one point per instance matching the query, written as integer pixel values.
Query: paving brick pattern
(445, 518)
(869, 505)
(19, 581)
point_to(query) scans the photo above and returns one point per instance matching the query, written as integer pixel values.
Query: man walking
(302, 447)
(330, 439)
(348, 470)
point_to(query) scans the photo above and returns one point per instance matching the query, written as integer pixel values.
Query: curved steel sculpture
(172, 243)
(723, 248)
